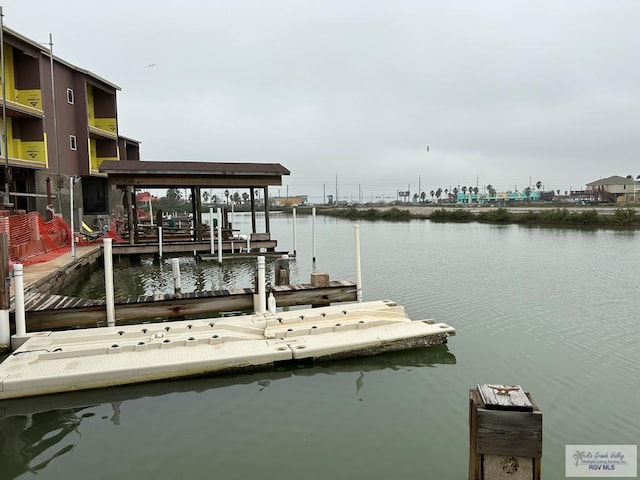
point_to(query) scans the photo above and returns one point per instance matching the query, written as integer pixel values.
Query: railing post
(505, 434)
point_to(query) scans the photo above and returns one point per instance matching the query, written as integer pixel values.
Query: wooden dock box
(505, 436)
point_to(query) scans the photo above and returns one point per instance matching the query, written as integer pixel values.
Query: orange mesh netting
(32, 240)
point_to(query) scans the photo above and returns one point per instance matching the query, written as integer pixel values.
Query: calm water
(553, 310)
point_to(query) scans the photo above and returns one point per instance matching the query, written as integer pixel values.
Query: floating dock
(53, 362)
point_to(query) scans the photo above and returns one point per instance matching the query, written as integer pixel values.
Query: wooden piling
(282, 276)
(505, 434)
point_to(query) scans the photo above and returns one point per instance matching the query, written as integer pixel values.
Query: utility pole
(336, 200)
(5, 137)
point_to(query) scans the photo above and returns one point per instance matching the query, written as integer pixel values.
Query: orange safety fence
(34, 240)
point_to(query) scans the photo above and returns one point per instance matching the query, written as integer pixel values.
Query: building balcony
(24, 104)
(99, 151)
(103, 127)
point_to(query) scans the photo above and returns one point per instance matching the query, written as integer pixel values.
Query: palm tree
(205, 196)
(491, 190)
(438, 193)
(538, 184)
(245, 197)
(423, 197)
(236, 198)
(432, 193)
(527, 193)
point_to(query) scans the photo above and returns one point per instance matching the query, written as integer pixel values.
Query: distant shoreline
(534, 215)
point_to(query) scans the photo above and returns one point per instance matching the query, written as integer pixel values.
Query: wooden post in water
(505, 434)
(282, 272)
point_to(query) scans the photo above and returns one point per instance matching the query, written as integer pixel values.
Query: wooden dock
(50, 312)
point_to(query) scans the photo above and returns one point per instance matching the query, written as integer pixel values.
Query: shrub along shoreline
(621, 217)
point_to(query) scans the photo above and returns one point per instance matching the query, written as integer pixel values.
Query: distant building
(499, 198)
(615, 189)
(297, 201)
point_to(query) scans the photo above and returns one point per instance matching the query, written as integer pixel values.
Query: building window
(73, 144)
(70, 98)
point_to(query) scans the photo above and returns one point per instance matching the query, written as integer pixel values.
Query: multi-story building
(59, 122)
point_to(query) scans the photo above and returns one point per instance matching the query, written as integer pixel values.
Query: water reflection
(35, 431)
(149, 278)
(29, 442)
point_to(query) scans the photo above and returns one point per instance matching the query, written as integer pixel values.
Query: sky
(367, 97)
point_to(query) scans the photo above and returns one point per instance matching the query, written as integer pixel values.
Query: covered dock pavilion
(134, 175)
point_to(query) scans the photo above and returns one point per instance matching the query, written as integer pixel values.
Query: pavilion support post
(252, 195)
(130, 212)
(134, 213)
(195, 223)
(197, 215)
(266, 210)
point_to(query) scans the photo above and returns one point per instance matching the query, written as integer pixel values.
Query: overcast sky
(502, 92)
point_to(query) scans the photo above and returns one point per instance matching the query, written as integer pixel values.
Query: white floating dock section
(63, 361)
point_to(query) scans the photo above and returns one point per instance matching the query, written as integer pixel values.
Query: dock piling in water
(356, 234)
(505, 434)
(108, 282)
(18, 288)
(294, 232)
(5, 304)
(175, 273)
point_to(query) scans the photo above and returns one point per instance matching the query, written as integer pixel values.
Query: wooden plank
(48, 314)
(509, 433)
(475, 460)
(504, 397)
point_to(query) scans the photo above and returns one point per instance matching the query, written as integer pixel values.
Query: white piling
(175, 273)
(219, 235)
(294, 232)
(356, 232)
(313, 232)
(261, 303)
(5, 329)
(249, 243)
(160, 242)
(108, 282)
(212, 237)
(18, 294)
